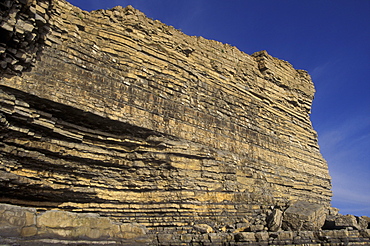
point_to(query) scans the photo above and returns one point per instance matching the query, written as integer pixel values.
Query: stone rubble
(27, 226)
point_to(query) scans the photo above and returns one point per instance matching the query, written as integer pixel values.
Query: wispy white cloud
(346, 148)
(352, 199)
(348, 195)
(325, 69)
(320, 69)
(350, 132)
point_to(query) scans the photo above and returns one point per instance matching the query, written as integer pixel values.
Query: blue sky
(328, 38)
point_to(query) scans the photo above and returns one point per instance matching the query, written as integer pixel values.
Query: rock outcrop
(25, 226)
(113, 113)
(27, 223)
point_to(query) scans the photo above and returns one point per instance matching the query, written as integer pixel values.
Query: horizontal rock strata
(65, 228)
(27, 223)
(114, 113)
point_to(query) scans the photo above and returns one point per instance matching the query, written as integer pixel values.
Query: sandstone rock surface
(113, 113)
(24, 222)
(17, 221)
(123, 115)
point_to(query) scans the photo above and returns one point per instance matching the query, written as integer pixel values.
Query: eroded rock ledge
(25, 226)
(113, 113)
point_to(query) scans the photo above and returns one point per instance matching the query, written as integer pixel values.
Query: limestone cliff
(115, 113)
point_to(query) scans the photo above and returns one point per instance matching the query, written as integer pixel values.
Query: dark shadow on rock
(23, 30)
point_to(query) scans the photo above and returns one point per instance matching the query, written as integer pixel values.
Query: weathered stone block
(24, 26)
(303, 215)
(285, 235)
(275, 220)
(215, 238)
(203, 228)
(56, 219)
(28, 231)
(186, 238)
(304, 236)
(7, 26)
(131, 230)
(338, 234)
(262, 236)
(165, 238)
(363, 222)
(242, 227)
(67, 224)
(16, 221)
(248, 237)
(346, 221)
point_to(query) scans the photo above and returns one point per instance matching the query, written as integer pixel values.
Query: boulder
(242, 227)
(274, 220)
(363, 222)
(304, 215)
(248, 237)
(203, 228)
(346, 221)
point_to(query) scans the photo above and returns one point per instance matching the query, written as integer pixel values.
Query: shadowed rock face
(114, 113)
(23, 28)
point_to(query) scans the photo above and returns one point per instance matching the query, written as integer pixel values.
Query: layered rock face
(114, 113)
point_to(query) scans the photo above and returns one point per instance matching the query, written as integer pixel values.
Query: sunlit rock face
(114, 113)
